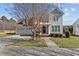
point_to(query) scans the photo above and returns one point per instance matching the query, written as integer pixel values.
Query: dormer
(55, 14)
(56, 11)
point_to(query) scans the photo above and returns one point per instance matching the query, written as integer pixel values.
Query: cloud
(67, 14)
(73, 9)
(66, 9)
(69, 11)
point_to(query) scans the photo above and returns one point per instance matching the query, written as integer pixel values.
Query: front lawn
(72, 42)
(32, 43)
(4, 34)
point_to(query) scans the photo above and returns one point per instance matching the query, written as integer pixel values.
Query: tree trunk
(34, 35)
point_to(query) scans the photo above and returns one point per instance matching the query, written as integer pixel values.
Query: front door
(44, 29)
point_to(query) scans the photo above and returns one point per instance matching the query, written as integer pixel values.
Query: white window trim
(56, 28)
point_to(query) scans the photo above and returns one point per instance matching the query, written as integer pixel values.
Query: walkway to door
(49, 42)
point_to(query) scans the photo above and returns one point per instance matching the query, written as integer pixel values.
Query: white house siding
(76, 27)
(56, 23)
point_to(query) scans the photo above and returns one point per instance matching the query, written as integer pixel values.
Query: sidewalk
(49, 42)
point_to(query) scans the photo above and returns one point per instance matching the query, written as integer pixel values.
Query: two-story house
(52, 22)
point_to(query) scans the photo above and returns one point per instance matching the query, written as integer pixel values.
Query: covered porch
(44, 30)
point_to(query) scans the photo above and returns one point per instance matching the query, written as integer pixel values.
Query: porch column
(48, 29)
(40, 30)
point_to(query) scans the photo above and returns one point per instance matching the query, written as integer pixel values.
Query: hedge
(55, 35)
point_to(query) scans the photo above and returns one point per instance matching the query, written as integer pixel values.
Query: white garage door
(23, 31)
(77, 31)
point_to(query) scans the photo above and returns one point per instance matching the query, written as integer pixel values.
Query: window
(56, 28)
(56, 18)
(53, 28)
(45, 18)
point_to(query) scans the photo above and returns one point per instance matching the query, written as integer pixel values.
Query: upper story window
(45, 18)
(56, 18)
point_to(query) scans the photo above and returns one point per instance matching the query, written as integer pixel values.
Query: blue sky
(71, 12)
(3, 10)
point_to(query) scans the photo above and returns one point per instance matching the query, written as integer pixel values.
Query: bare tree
(31, 13)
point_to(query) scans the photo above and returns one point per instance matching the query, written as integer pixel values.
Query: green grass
(3, 35)
(32, 43)
(72, 42)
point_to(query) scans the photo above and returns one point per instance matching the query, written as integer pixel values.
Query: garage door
(23, 31)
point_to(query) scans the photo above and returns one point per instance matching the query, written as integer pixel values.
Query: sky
(71, 12)
(4, 10)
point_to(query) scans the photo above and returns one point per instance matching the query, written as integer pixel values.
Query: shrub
(10, 33)
(55, 35)
(37, 34)
(69, 28)
(67, 33)
(51, 35)
(59, 35)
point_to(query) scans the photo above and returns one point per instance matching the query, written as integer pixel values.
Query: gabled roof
(56, 9)
(20, 21)
(75, 21)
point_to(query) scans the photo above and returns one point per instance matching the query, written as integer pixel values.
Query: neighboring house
(76, 27)
(12, 24)
(7, 25)
(52, 22)
(1, 25)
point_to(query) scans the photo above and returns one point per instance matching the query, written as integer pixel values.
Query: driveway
(11, 39)
(36, 51)
(33, 51)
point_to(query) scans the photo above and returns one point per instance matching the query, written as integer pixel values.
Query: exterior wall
(75, 28)
(59, 22)
(54, 23)
(1, 25)
(9, 25)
